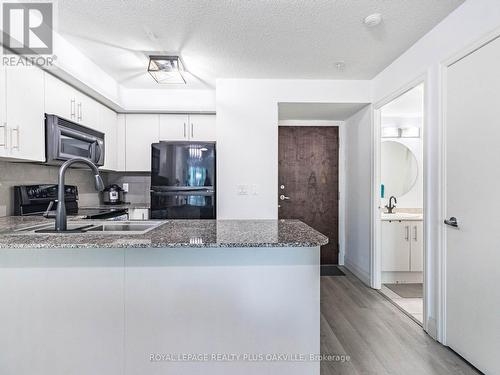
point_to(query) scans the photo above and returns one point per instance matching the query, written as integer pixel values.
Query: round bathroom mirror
(399, 169)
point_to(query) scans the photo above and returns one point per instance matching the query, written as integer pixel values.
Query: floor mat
(330, 270)
(414, 290)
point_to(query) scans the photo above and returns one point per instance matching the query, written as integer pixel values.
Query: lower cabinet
(62, 311)
(402, 246)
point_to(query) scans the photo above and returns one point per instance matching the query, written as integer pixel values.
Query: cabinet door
(120, 142)
(417, 247)
(3, 115)
(25, 112)
(202, 128)
(87, 111)
(108, 125)
(141, 132)
(60, 98)
(395, 246)
(174, 127)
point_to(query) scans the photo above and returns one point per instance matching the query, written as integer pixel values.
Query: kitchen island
(188, 297)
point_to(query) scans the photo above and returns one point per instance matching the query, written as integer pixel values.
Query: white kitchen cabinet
(3, 115)
(88, 111)
(402, 246)
(141, 131)
(108, 125)
(174, 127)
(120, 142)
(24, 87)
(138, 214)
(416, 246)
(202, 128)
(67, 102)
(60, 98)
(187, 128)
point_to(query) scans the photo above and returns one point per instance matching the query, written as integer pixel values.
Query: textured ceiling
(247, 39)
(318, 111)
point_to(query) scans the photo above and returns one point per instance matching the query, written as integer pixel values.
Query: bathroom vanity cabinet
(402, 246)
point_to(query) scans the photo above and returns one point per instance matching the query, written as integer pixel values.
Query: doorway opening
(401, 197)
(311, 171)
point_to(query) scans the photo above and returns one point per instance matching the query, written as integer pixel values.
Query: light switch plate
(125, 187)
(242, 189)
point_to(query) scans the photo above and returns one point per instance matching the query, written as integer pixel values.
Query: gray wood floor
(357, 321)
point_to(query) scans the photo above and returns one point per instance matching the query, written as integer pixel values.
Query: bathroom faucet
(61, 220)
(391, 206)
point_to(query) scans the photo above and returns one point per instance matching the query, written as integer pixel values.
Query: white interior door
(472, 196)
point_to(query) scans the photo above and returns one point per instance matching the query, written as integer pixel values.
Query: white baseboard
(357, 271)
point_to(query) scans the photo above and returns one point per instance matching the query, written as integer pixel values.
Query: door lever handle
(284, 197)
(452, 222)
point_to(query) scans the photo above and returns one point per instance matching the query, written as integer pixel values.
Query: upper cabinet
(22, 130)
(108, 125)
(141, 132)
(187, 128)
(65, 101)
(202, 128)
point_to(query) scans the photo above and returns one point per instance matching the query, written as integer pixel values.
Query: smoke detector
(373, 20)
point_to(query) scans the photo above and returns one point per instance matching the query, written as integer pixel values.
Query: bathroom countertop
(400, 216)
(172, 234)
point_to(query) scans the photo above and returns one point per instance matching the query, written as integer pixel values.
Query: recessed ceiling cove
(299, 39)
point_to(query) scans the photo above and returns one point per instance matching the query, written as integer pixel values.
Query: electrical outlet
(242, 189)
(255, 189)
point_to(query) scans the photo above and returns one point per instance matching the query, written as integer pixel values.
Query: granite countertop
(172, 234)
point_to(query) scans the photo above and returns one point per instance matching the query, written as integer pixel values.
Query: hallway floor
(378, 338)
(412, 306)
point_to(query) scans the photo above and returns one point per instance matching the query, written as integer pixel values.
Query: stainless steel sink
(89, 227)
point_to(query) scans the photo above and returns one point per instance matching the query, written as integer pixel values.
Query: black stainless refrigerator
(183, 180)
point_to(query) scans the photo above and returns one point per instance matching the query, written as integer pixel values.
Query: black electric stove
(34, 200)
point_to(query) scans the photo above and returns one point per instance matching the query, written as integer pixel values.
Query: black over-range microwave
(66, 139)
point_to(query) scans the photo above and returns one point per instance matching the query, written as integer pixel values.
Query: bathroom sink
(401, 216)
(94, 227)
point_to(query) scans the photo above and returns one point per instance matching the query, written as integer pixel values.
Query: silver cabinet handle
(184, 130)
(283, 197)
(80, 115)
(452, 222)
(4, 127)
(16, 147)
(407, 232)
(192, 130)
(415, 233)
(72, 108)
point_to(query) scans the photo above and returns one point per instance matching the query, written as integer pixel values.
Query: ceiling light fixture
(373, 20)
(166, 69)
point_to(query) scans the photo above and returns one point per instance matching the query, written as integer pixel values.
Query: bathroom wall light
(166, 69)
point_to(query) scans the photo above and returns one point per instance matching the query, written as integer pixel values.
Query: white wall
(468, 23)
(358, 159)
(247, 137)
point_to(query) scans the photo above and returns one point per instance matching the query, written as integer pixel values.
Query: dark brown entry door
(308, 178)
